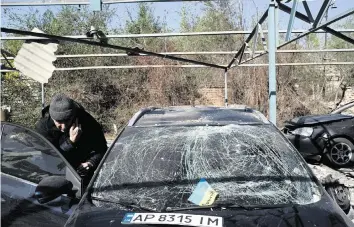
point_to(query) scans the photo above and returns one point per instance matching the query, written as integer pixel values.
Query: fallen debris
(344, 176)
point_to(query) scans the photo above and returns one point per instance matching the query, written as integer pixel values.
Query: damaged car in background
(204, 166)
(328, 138)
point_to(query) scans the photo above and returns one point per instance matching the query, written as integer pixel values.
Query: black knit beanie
(62, 107)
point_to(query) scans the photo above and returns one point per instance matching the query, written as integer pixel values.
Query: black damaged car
(211, 167)
(328, 138)
(189, 166)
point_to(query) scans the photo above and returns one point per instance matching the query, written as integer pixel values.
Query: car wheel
(341, 195)
(340, 152)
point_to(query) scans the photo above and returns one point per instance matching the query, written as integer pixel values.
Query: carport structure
(271, 43)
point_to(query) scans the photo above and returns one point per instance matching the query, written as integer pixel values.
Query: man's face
(64, 126)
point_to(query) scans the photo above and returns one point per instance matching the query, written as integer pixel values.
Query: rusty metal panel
(35, 59)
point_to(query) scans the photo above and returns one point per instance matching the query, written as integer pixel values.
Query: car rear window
(246, 165)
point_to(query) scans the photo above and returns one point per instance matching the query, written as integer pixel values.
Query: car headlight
(303, 132)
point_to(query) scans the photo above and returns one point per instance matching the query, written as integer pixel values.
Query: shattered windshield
(159, 167)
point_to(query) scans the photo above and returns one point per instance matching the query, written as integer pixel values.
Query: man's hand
(75, 131)
(84, 168)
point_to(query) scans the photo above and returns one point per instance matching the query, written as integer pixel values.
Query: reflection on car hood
(317, 119)
(323, 215)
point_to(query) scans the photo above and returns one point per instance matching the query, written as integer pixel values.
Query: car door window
(26, 155)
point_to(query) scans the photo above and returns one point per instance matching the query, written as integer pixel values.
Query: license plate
(172, 219)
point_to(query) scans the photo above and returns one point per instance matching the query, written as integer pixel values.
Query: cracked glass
(27, 156)
(247, 165)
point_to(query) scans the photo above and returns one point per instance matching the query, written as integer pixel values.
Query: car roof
(197, 115)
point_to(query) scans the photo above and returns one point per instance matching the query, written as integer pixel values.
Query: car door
(27, 158)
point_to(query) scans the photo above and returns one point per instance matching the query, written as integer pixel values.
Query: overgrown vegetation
(113, 95)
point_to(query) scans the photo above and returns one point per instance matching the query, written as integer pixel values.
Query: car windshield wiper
(129, 204)
(232, 206)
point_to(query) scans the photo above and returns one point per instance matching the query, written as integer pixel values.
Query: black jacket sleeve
(60, 141)
(99, 149)
(93, 139)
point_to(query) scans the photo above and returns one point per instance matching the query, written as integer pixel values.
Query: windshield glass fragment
(246, 165)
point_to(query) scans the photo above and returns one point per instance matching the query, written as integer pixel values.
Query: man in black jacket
(76, 134)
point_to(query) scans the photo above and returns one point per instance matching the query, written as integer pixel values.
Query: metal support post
(43, 95)
(272, 66)
(291, 20)
(226, 99)
(276, 24)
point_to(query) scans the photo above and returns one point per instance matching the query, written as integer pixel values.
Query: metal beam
(303, 17)
(225, 88)
(272, 81)
(10, 4)
(6, 59)
(196, 53)
(236, 56)
(264, 42)
(340, 35)
(299, 64)
(321, 13)
(152, 35)
(291, 20)
(137, 51)
(324, 25)
(308, 11)
(188, 66)
(276, 24)
(6, 52)
(43, 102)
(264, 16)
(242, 52)
(255, 41)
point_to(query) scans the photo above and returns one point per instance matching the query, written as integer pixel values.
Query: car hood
(318, 119)
(322, 213)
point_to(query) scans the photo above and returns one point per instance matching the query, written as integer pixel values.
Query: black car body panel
(323, 213)
(27, 158)
(100, 205)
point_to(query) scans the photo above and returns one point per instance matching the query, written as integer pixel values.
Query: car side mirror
(51, 188)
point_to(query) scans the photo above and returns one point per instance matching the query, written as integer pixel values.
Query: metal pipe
(255, 41)
(303, 17)
(241, 50)
(272, 67)
(276, 24)
(123, 36)
(339, 35)
(226, 96)
(323, 26)
(264, 42)
(130, 67)
(196, 53)
(333, 20)
(9, 4)
(131, 50)
(189, 66)
(43, 95)
(321, 13)
(299, 64)
(308, 11)
(291, 20)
